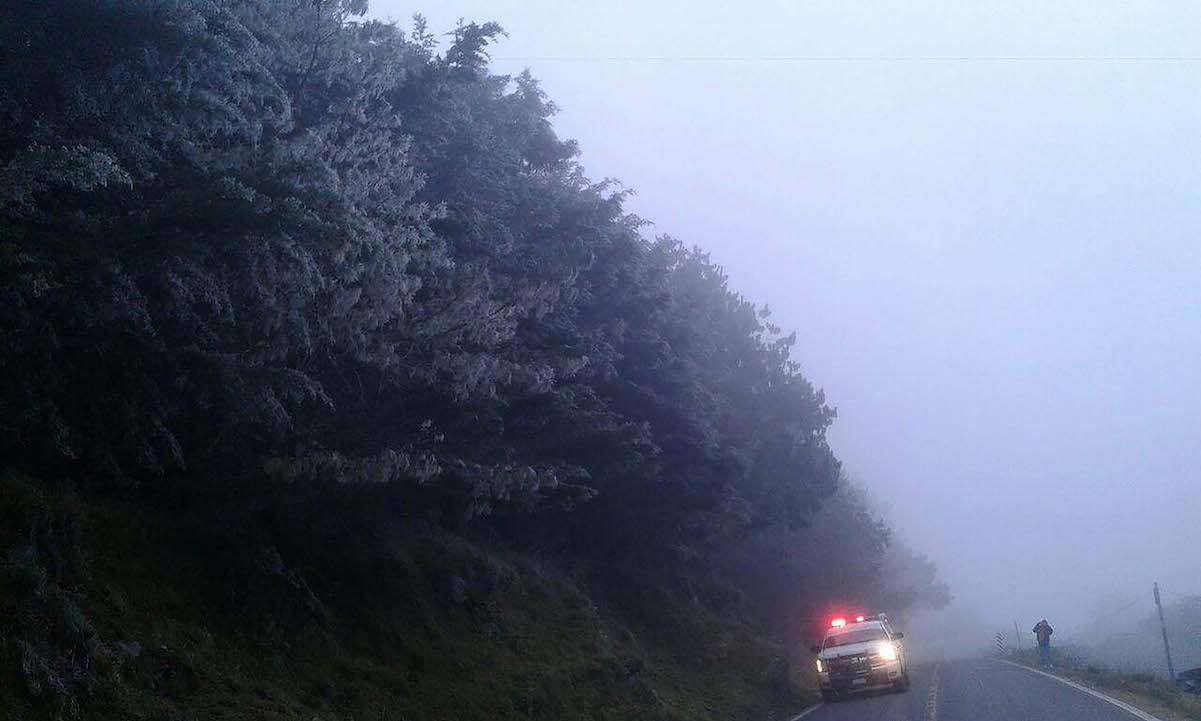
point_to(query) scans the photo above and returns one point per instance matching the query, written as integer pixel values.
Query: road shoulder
(1136, 706)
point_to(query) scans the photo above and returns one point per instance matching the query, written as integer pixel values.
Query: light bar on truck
(838, 623)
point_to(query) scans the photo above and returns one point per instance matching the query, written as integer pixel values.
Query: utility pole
(1017, 634)
(1163, 628)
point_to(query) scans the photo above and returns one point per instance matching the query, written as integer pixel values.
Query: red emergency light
(838, 623)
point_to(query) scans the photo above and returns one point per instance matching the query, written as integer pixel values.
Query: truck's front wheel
(830, 696)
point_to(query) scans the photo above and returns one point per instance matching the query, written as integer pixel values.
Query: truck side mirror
(898, 635)
(815, 649)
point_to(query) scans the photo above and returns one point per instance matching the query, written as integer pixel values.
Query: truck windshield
(854, 635)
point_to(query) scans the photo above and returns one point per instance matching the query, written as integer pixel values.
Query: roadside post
(1163, 628)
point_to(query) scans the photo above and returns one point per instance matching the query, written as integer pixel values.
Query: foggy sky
(981, 220)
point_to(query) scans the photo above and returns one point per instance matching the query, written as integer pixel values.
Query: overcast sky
(981, 219)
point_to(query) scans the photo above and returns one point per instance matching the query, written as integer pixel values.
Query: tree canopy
(274, 245)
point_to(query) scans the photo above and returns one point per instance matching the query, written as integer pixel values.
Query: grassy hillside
(110, 612)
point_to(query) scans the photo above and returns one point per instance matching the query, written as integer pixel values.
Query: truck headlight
(819, 666)
(887, 651)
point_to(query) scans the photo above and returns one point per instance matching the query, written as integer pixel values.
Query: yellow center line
(932, 698)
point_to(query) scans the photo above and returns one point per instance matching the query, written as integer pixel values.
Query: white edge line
(1138, 713)
(806, 712)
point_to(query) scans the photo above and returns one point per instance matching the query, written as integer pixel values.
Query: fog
(980, 219)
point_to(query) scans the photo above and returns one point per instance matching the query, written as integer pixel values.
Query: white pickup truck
(861, 654)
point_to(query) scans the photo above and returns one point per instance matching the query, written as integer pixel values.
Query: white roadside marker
(1137, 713)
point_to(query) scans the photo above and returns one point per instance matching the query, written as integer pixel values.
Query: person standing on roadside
(1043, 631)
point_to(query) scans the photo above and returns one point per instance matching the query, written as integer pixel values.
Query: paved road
(975, 690)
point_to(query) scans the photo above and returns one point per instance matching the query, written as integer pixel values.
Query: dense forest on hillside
(289, 293)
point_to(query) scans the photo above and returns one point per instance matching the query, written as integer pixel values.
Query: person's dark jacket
(1043, 631)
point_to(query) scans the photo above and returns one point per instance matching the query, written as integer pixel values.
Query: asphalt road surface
(973, 690)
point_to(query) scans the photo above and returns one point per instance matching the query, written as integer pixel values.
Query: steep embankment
(116, 614)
